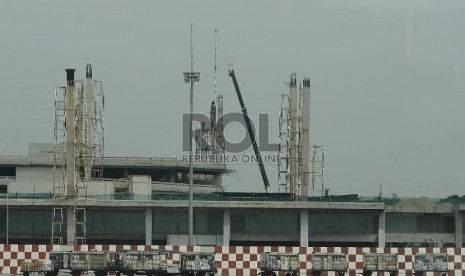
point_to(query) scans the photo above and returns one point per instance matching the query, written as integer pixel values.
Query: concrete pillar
(172, 176)
(382, 229)
(458, 228)
(71, 179)
(86, 124)
(305, 142)
(304, 228)
(293, 134)
(218, 182)
(70, 226)
(226, 227)
(148, 225)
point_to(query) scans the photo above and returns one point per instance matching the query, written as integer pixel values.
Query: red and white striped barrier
(241, 260)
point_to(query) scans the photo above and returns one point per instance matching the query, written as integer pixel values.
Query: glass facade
(342, 223)
(118, 222)
(177, 222)
(419, 223)
(265, 223)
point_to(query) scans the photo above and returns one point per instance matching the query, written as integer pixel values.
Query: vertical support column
(218, 182)
(226, 227)
(70, 135)
(458, 228)
(304, 228)
(172, 177)
(305, 142)
(148, 225)
(382, 229)
(293, 135)
(70, 156)
(70, 225)
(87, 122)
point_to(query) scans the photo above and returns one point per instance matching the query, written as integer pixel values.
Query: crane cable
(215, 87)
(227, 58)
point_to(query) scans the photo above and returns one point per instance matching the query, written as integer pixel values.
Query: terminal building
(144, 201)
(68, 192)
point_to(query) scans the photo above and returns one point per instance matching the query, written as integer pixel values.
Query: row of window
(176, 222)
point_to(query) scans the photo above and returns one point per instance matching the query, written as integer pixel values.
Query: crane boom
(232, 74)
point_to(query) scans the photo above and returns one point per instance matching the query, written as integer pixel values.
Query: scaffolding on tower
(97, 119)
(78, 153)
(318, 161)
(294, 138)
(290, 148)
(283, 146)
(59, 160)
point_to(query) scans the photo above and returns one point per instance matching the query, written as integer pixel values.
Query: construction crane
(232, 74)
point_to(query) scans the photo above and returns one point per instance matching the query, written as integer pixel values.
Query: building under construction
(68, 192)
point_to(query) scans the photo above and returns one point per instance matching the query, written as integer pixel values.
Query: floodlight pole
(191, 77)
(7, 214)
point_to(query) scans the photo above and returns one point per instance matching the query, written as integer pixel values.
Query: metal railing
(8, 177)
(182, 185)
(25, 195)
(141, 158)
(13, 156)
(251, 197)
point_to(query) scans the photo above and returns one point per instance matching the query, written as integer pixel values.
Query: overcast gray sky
(388, 80)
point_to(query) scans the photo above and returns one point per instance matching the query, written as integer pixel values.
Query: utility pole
(7, 213)
(191, 77)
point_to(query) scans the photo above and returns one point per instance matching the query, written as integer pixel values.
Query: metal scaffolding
(318, 160)
(97, 129)
(290, 127)
(78, 154)
(283, 147)
(210, 138)
(294, 133)
(59, 138)
(59, 159)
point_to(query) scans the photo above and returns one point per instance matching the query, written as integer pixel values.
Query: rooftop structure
(145, 200)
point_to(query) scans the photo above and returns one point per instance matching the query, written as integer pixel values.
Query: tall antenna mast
(192, 51)
(215, 88)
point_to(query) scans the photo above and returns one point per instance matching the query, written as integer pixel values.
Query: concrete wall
(198, 239)
(40, 152)
(100, 188)
(141, 186)
(32, 179)
(422, 239)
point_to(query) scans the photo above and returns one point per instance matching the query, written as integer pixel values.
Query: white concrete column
(218, 181)
(304, 228)
(382, 229)
(458, 228)
(71, 177)
(148, 225)
(226, 227)
(70, 226)
(172, 174)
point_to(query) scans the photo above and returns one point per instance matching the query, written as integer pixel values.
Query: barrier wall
(241, 260)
